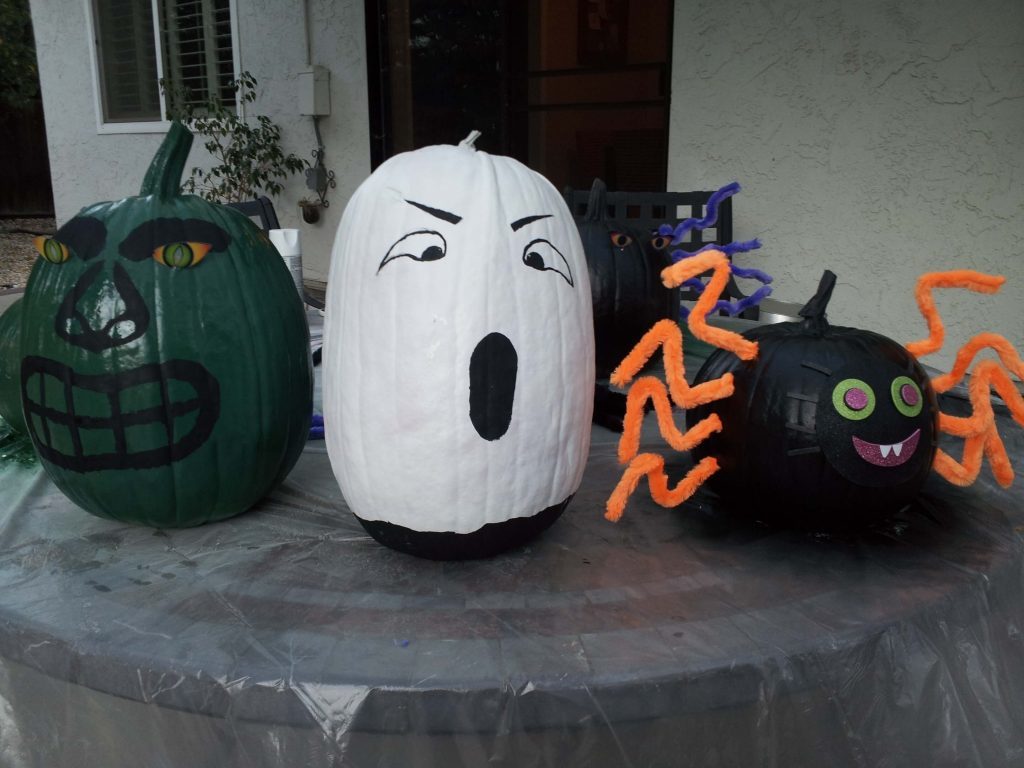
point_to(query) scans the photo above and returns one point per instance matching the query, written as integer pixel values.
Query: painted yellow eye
(181, 255)
(660, 242)
(620, 239)
(52, 250)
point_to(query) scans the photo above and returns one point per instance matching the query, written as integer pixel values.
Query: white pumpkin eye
(542, 255)
(421, 245)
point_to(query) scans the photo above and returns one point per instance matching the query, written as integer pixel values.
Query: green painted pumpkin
(165, 369)
(10, 386)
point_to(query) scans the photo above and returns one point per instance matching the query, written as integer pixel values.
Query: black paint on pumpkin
(489, 540)
(492, 385)
(169, 415)
(788, 454)
(84, 235)
(73, 324)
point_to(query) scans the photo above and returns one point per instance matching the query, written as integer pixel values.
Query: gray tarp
(287, 637)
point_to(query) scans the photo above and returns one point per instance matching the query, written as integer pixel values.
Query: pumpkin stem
(813, 311)
(470, 140)
(596, 205)
(163, 178)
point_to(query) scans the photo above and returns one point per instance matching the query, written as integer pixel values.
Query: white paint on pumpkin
(398, 340)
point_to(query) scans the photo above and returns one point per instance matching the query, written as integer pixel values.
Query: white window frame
(146, 126)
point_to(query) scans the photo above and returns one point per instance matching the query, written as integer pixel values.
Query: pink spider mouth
(887, 455)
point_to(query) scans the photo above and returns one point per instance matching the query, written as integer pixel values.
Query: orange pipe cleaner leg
(653, 466)
(999, 344)
(958, 278)
(981, 437)
(648, 388)
(979, 430)
(667, 335)
(717, 261)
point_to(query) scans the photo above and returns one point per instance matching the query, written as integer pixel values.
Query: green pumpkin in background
(165, 369)
(10, 365)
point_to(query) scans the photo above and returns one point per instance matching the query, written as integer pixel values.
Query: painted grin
(145, 417)
(892, 455)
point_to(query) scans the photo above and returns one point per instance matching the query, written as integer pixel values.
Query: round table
(288, 637)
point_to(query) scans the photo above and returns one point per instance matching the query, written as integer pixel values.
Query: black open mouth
(147, 417)
(493, 367)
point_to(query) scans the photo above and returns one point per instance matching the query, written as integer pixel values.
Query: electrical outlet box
(315, 92)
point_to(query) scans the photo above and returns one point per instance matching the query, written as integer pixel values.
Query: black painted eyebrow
(520, 223)
(84, 236)
(150, 235)
(451, 218)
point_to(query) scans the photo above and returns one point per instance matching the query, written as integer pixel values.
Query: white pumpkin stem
(468, 141)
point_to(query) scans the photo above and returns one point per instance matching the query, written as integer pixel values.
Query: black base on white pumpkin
(489, 540)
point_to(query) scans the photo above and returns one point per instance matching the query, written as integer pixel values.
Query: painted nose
(102, 311)
(492, 385)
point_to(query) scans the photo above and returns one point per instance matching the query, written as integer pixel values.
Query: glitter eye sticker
(853, 399)
(906, 396)
(51, 250)
(181, 255)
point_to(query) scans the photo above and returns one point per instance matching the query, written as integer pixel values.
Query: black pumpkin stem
(597, 207)
(813, 311)
(163, 178)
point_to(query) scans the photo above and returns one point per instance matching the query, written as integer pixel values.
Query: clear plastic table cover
(287, 637)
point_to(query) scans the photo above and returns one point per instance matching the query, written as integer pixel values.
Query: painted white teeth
(885, 450)
(897, 448)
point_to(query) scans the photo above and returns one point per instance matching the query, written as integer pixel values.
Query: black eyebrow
(520, 223)
(84, 236)
(150, 235)
(451, 218)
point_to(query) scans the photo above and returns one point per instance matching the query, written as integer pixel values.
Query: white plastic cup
(289, 245)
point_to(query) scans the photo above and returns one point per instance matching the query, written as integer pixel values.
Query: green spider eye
(906, 396)
(853, 399)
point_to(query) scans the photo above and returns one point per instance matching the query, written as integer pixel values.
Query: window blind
(197, 49)
(127, 60)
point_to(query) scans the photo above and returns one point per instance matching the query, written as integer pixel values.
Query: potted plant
(247, 153)
(310, 210)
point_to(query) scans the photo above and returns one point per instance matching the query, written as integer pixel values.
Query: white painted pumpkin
(458, 354)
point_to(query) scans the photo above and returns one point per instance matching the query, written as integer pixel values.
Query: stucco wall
(881, 139)
(89, 167)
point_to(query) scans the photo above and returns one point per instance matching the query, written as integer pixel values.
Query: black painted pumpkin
(829, 427)
(625, 281)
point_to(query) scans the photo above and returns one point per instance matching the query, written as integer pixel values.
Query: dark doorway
(576, 89)
(24, 156)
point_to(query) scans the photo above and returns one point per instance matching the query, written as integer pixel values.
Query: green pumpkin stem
(813, 311)
(597, 208)
(163, 178)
